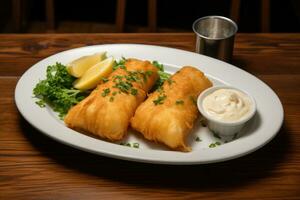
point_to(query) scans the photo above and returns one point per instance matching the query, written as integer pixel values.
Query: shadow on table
(229, 174)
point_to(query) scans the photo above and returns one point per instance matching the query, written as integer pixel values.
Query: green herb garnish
(148, 73)
(213, 145)
(170, 81)
(158, 65)
(160, 99)
(117, 78)
(128, 144)
(125, 144)
(105, 92)
(111, 99)
(120, 64)
(134, 91)
(136, 145)
(162, 75)
(179, 102)
(123, 86)
(57, 90)
(198, 139)
(104, 79)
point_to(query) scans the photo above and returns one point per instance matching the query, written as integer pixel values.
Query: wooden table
(33, 166)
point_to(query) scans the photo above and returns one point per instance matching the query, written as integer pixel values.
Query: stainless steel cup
(215, 36)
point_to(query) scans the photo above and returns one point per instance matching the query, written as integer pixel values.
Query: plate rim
(131, 153)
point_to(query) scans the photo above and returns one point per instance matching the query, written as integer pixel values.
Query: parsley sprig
(57, 90)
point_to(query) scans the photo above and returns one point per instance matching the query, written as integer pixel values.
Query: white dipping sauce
(228, 105)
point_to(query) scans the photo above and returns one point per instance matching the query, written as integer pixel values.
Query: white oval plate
(261, 129)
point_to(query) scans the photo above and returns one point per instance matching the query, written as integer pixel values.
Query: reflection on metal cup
(215, 36)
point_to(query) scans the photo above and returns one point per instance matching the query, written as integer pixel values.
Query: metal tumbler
(215, 36)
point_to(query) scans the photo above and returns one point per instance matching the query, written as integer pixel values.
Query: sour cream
(228, 105)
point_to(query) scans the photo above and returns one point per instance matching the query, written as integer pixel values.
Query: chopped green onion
(160, 99)
(104, 79)
(128, 144)
(170, 81)
(136, 145)
(148, 73)
(134, 91)
(105, 92)
(41, 103)
(159, 66)
(213, 145)
(179, 102)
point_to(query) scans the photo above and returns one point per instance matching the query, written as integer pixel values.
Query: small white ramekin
(222, 127)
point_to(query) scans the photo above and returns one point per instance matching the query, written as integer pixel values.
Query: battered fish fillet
(107, 110)
(168, 115)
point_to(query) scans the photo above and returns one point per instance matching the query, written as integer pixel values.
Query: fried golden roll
(168, 115)
(107, 110)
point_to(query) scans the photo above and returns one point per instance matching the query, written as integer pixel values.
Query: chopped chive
(41, 103)
(212, 145)
(128, 144)
(125, 144)
(114, 93)
(136, 145)
(119, 64)
(122, 67)
(148, 73)
(170, 81)
(179, 102)
(134, 91)
(123, 86)
(104, 79)
(158, 65)
(198, 139)
(111, 99)
(105, 92)
(160, 99)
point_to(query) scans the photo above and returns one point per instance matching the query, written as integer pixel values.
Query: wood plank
(258, 53)
(33, 166)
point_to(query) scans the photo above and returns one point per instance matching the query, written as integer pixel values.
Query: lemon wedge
(93, 76)
(79, 66)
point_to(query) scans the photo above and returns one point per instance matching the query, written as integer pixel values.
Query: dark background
(172, 16)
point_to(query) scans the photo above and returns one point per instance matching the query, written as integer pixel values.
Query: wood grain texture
(33, 166)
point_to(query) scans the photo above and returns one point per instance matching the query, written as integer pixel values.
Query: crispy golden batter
(107, 110)
(168, 115)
